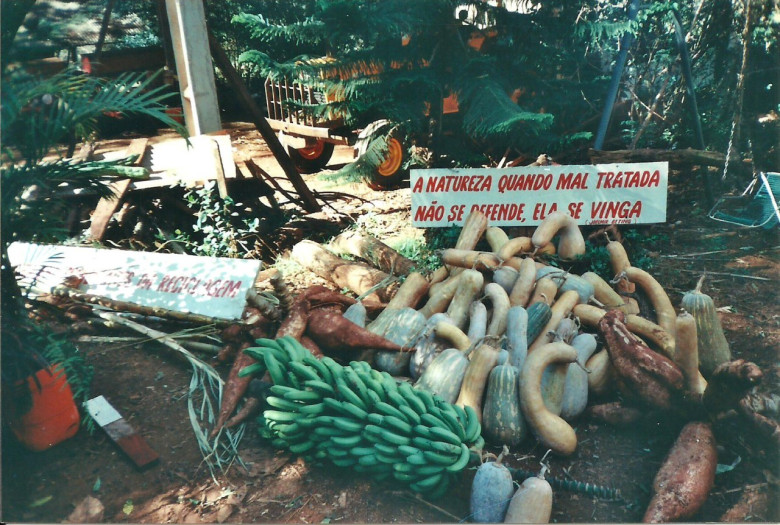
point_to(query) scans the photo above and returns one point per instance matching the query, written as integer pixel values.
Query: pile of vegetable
(503, 342)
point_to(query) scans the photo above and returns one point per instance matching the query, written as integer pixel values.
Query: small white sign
(102, 411)
(523, 196)
(213, 286)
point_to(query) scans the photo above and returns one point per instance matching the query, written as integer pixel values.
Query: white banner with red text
(600, 194)
(212, 286)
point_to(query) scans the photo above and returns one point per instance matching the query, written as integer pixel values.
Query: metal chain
(728, 151)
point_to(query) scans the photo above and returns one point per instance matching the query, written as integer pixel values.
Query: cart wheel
(310, 159)
(391, 172)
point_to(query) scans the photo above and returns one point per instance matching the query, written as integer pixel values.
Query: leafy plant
(39, 117)
(219, 229)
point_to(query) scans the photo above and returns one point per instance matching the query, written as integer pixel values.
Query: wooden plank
(195, 71)
(121, 432)
(218, 163)
(106, 207)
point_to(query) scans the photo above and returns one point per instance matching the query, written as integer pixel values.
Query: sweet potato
(251, 406)
(642, 374)
(332, 331)
(234, 388)
(686, 476)
(729, 383)
(309, 344)
(616, 413)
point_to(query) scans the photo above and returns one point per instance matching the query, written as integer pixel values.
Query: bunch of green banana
(358, 417)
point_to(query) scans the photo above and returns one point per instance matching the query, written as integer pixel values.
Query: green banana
(283, 404)
(312, 410)
(300, 448)
(473, 429)
(432, 421)
(319, 386)
(443, 434)
(255, 369)
(429, 470)
(348, 394)
(386, 409)
(463, 460)
(303, 372)
(280, 416)
(450, 416)
(423, 431)
(439, 458)
(426, 484)
(417, 459)
(347, 425)
(408, 450)
(411, 397)
(411, 416)
(376, 419)
(328, 432)
(427, 398)
(304, 396)
(275, 370)
(357, 385)
(395, 439)
(323, 372)
(396, 398)
(404, 477)
(386, 449)
(332, 365)
(355, 411)
(398, 425)
(347, 441)
(362, 451)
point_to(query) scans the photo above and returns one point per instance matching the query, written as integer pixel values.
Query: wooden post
(193, 66)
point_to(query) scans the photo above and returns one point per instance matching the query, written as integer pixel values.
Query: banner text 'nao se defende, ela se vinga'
(600, 194)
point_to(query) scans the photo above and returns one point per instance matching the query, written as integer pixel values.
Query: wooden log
(122, 306)
(106, 207)
(679, 156)
(372, 250)
(357, 277)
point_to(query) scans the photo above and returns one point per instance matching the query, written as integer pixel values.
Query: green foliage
(417, 250)
(38, 115)
(218, 230)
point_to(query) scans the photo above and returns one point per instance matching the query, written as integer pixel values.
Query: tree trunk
(372, 250)
(357, 277)
(680, 156)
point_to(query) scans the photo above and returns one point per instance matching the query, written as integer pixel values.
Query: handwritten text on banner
(522, 196)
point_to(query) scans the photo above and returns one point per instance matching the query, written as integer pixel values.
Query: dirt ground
(148, 386)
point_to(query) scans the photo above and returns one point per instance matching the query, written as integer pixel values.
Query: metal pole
(614, 83)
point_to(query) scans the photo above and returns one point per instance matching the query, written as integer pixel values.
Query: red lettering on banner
(530, 182)
(628, 179)
(612, 210)
(164, 284)
(541, 210)
(432, 213)
(572, 181)
(455, 183)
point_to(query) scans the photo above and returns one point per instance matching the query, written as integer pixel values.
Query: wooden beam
(106, 207)
(309, 202)
(679, 156)
(194, 69)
